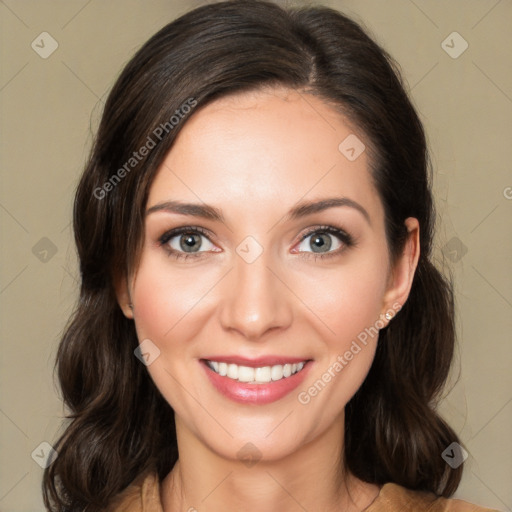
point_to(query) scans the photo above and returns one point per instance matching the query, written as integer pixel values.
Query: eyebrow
(310, 207)
(300, 210)
(193, 209)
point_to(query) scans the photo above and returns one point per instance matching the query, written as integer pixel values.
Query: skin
(254, 156)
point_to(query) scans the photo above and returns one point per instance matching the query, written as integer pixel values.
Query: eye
(326, 240)
(186, 241)
(190, 242)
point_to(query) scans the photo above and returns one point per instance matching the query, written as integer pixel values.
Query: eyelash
(346, 239)
(168, 235)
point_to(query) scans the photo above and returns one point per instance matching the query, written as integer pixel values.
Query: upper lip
(270, 360)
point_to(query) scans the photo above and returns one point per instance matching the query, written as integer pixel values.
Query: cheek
(170, 310)
(348, 303)
(347, 300)
(155, 304)
(166, 299)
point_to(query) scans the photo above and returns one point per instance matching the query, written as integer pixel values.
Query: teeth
(245, 374)
(260, 375)
(232, 371)
(276, 372)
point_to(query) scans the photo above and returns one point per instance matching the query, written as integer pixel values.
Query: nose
(255, 300)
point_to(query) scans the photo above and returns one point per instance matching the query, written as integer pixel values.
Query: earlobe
(123, 298)
(402, 275)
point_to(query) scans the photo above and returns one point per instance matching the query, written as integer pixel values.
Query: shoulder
(142, 495)
(393, 497)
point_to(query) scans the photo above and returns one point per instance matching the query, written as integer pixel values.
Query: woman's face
(265, 253)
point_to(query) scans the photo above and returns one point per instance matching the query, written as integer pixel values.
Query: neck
(311, 478)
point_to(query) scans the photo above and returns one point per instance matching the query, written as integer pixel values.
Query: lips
(256, 381)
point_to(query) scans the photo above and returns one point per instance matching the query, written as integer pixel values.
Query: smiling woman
(260, 326)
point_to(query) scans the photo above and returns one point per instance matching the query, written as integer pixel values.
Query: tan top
(144, 496)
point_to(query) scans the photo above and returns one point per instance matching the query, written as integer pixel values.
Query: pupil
(321, 242)
(187, 242)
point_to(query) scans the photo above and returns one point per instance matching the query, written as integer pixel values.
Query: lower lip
(244, 392)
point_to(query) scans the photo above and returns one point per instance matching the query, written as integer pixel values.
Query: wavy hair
(118, 422)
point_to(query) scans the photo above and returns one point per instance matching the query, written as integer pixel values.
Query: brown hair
(119, 424)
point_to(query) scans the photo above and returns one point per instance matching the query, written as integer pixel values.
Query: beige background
(50, 108)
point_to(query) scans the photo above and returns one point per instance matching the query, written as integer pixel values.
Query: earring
(388, 316)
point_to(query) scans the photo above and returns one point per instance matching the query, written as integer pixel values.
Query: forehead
(264, 151)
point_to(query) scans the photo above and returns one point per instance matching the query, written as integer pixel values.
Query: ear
(123, 297)
(402, 274)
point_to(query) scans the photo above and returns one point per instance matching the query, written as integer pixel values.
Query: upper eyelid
(323, 228)
(171, 233)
